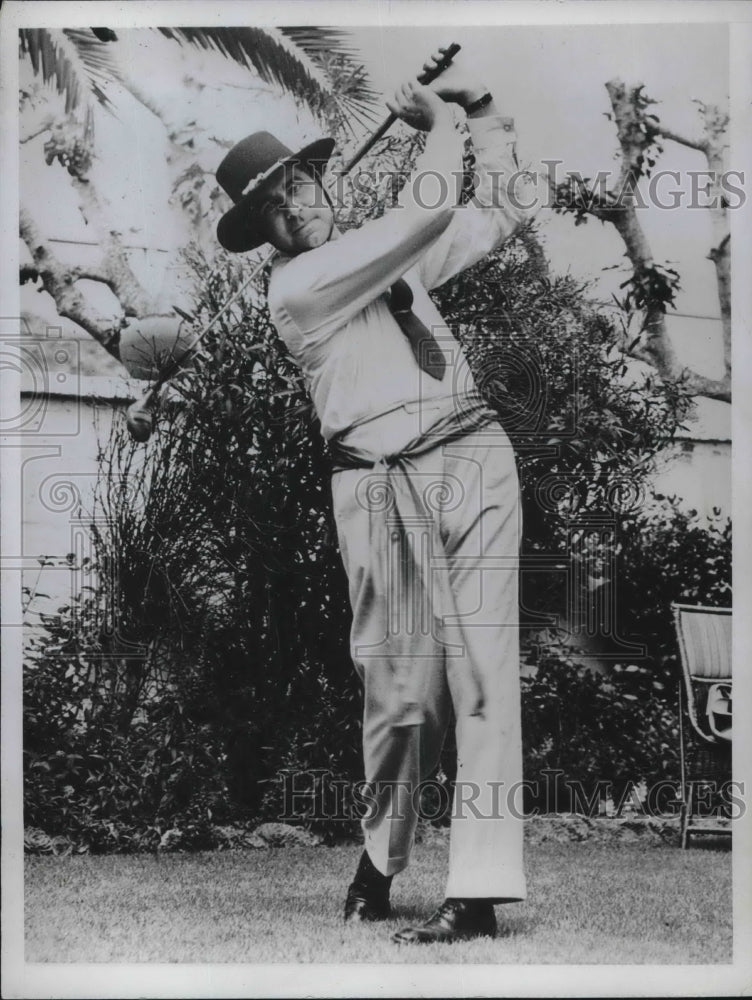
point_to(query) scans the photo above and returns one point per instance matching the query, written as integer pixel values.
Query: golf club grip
(424, 79)
(446, 60)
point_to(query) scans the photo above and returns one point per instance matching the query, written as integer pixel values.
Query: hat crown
(247, 159)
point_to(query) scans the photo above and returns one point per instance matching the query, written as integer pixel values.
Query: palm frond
(315, 64)
(295, 59)
(328, 47)
(74, 59)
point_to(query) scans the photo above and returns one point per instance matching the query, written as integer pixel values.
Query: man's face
(294, 213)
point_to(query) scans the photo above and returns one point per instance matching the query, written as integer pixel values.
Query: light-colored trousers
(477, 512)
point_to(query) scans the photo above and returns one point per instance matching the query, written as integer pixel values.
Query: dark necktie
(424, 345)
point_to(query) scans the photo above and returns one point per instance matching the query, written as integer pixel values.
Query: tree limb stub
(699, 144)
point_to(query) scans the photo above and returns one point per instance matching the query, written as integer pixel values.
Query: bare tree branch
(71, 149)
(91, 272)
(60, 282)
(634, 140)
(114, 268)
(699, 385)
(652, 286)
(699, 144)
(713, 145)
(636, 136)
(44, 126)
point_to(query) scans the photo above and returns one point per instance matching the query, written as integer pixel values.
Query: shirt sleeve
(323, 288)
(504, 198)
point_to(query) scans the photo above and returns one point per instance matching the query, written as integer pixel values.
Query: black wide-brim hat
(245, 168)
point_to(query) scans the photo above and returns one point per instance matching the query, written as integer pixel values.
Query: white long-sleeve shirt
(329, 306)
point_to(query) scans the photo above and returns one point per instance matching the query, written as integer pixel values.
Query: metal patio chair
(704, 636)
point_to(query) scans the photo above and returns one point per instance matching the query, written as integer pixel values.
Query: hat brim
(236, 231)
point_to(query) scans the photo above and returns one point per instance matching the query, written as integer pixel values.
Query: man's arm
(501, 203)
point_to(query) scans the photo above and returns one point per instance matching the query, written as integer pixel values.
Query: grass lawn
(586, 904)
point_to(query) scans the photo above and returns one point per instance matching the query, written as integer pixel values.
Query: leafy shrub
(670, 555)
(104, 782)
(593, 728)
(621, 725)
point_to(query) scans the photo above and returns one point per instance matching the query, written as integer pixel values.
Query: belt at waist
(469, 414)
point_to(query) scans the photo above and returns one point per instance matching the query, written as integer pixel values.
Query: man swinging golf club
(425, 488)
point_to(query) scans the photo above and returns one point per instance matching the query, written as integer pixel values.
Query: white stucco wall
(58, 475)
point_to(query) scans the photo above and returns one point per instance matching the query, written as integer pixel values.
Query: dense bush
(619, 723)
(100, 772)
(606, 733)
(670, 555)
